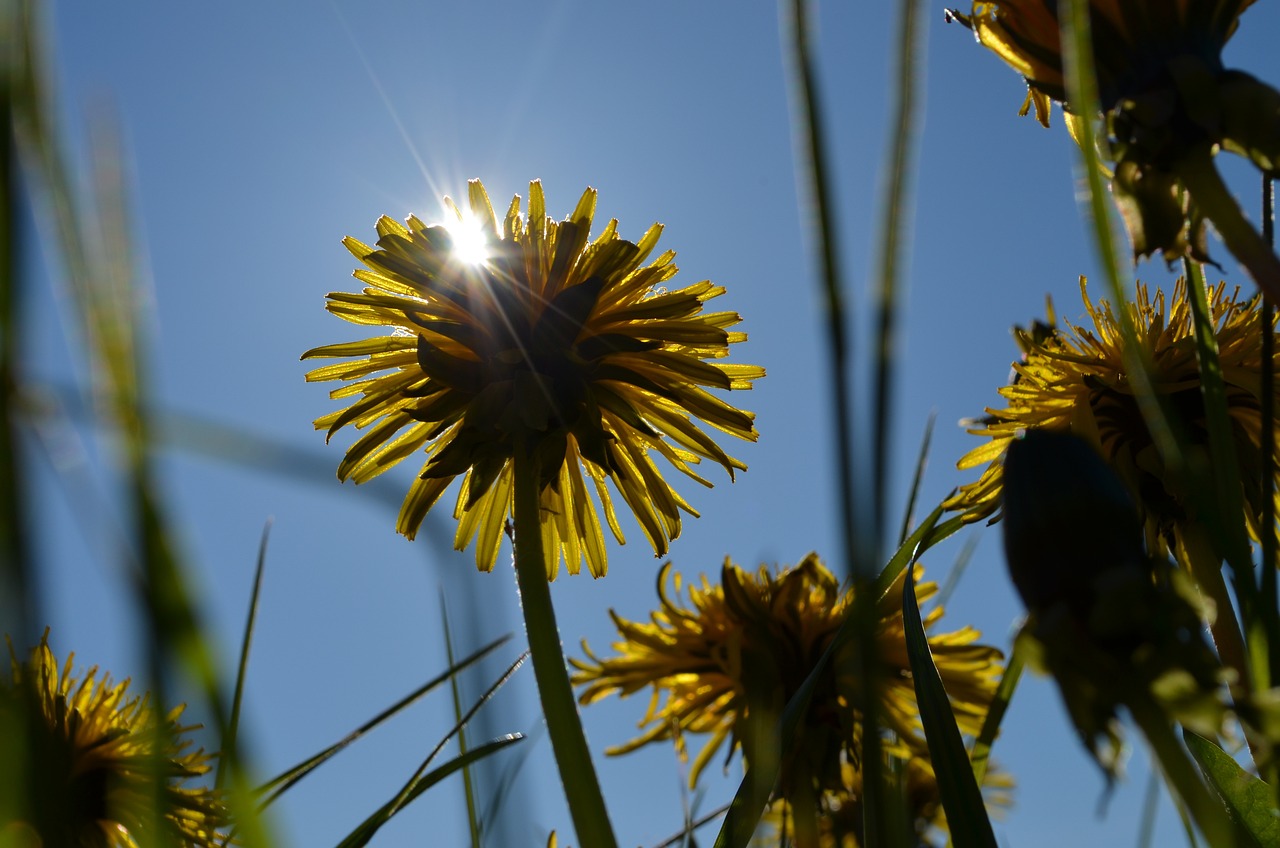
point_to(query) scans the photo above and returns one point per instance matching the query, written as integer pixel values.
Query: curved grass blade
(924, 537)
(366, 830)
(1248, 798)
(995, 715)
(961, 798)
(286, 779)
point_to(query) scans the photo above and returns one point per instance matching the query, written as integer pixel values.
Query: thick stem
(577, 774)
(1210, 194)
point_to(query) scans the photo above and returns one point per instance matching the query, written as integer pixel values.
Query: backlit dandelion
(1075, 380)
(538, 340)
(708, 663)
(87, 757)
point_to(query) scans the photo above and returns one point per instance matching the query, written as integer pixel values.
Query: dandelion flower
(1168, 105)
(758, 633)
(88, 756)
(540, 340)
(1134, 42)
(840, 810)
(1075, 380)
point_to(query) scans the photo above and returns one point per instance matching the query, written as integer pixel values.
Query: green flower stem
(1198, 174)
(581, 787)
(1179, 772)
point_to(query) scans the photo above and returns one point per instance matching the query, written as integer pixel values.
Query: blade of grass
(692, 826)
(917, 478)
(961, 796)
(286, 779)
(1147, 824)
(242, 668)
(1248, 798)
(1269, 596)
(420, 782)
(468, 787)
(981, 753)
(367, 829)
(893, 217)
(19, 607)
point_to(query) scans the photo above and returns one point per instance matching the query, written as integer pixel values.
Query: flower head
(570, 348)
(1136, 43)
(750, 641)
(87, 755)
(1075, 380)
(1168, 105)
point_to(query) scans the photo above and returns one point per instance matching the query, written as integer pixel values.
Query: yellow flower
(83, 755)
(841, 809)
(753, 639)
(544, 341)
(1134, 41)
(1075, 380)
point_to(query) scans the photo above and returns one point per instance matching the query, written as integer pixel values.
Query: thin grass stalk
(893, 216)
(468, 784)
(242, 668)
(1268, 598)
(573, 757)
(1150, 804)
(858, 546)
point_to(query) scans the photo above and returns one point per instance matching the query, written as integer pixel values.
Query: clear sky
(259, 134)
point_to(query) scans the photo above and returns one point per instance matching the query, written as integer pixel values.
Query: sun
(470, 243)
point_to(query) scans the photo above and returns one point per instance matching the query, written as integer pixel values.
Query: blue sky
(258, 135)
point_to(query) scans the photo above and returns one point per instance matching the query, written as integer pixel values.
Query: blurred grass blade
(18, 604)
(685, 836)
(958, 569)
(1270, 593)
(493, 812)
(962, 801)
(893, 221)
(283, 781)
(995, 715)
(1150, 805)
(237, 698)
(917, 478)
(468, 786)
(367, 829)
(1248, 798)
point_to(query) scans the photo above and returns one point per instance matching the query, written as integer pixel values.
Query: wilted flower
(1075, 380)
(1168, 104)
(80, 760)
(750, 641)
(542, 341)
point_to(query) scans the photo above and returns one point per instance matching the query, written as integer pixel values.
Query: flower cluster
(88, 757)
(546, 343)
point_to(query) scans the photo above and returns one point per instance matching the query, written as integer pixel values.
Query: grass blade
(286, 779)
(366, 830)
(995, 715)
(1247, 797)
(468, 786)
(961, 797)
(237, 698)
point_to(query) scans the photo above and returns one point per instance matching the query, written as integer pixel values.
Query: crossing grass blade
(282, 782)
(422, 780)
(468, 785)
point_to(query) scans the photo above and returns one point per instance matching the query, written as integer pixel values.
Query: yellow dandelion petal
(553, 340)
